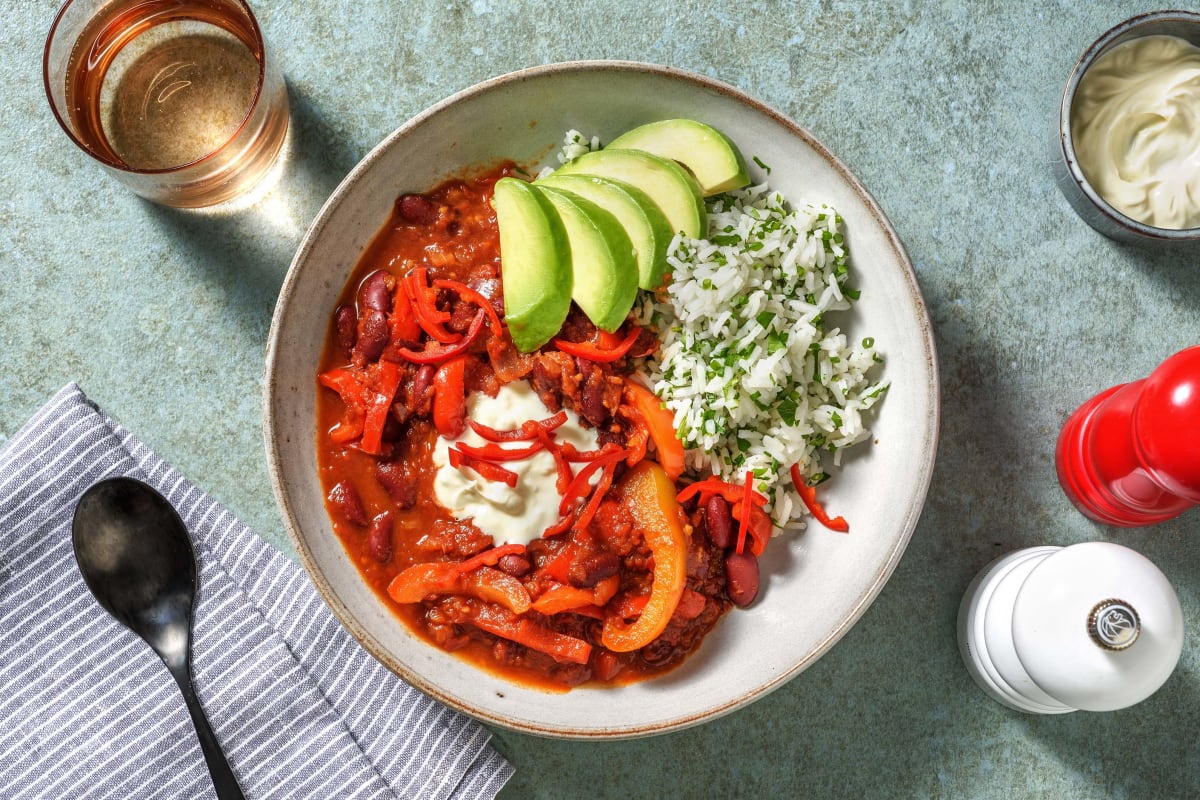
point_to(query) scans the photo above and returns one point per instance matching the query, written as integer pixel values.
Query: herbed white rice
(755, 378)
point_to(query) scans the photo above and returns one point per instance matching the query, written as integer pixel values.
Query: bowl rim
(924, 463)
(1124, 31)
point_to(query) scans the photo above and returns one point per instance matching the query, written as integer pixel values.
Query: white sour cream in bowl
(1136, 129)
(511, 515)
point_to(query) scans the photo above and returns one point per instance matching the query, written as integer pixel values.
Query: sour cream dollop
(510, 515)
(1136, 129)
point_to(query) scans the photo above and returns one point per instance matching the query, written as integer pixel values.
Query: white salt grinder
(1092, 627)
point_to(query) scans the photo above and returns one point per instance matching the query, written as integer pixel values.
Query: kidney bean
(400, 485)
(422, 387)
(719, 521)
(517, 566)
(416, 209)
(346, 502)
(586, 572)
(375, 293)
(346, 321)
(372, 335)
(379, 537)
(741, 578)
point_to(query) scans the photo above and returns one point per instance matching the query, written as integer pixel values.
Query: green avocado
(708, 153)
(670, 186)
(535, 263)
(648, 229)
(603, 261)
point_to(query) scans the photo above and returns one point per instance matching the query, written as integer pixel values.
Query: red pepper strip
(485, 469)
(597, 353)
(562, 526)
(662, 428)
(561, 597)
(489, 557)
(809, 495)
(348, 384)
(709, 486)
(558, 566)
(571, 454)
(593, 505)
(536, 637)
(424, 300)
(450, 398)
(631, 606)
(435, 355)
(761, 527)
(428, 315)
(522, 434)
(379, 406)
(475, 298)
(606, 589)
(606, 340)
(403, 320)
(494, 452)
(565, 475)
(580, 485)
(744, 519)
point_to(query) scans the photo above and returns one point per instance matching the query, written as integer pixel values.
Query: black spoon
(136, 556)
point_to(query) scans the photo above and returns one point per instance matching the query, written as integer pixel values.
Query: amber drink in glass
(176, 98)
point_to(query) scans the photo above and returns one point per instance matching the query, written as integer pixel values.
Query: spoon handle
(223, 778)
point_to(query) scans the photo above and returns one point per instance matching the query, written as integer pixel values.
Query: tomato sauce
(380, 489)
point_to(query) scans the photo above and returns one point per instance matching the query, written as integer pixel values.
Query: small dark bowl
(1087, 202)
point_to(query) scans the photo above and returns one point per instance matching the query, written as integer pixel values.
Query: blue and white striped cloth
(87, 710)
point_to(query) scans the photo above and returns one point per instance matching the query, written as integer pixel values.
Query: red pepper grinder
(1130, 456)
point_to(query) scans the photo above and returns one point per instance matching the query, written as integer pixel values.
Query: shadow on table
(1176, 269)
(1148, 750)
(246, 246)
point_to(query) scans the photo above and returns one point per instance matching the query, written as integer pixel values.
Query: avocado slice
(670, 186)
(603, 261)
(648, 229)
(535, 263)
(708, 153)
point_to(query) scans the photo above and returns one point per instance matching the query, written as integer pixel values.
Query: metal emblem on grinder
(1113, 624)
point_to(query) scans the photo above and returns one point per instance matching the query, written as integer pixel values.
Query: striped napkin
(87, 710)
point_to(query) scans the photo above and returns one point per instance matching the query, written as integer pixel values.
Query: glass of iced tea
(176, 98)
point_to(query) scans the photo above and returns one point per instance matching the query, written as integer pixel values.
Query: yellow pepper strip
(649, 495)
(661, 423)
(422, 580)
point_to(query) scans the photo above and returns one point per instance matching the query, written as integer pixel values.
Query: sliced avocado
(708, 153)
(603, 261)
(670, 186)
(535, 263)
(648, 229)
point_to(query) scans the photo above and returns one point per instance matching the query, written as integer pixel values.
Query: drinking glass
(177, 99)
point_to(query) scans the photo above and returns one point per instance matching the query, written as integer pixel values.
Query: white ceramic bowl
(815, 585)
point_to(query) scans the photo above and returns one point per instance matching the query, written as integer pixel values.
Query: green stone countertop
(943, 109)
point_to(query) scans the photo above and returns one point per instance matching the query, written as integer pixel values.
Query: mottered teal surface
(945, 110)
